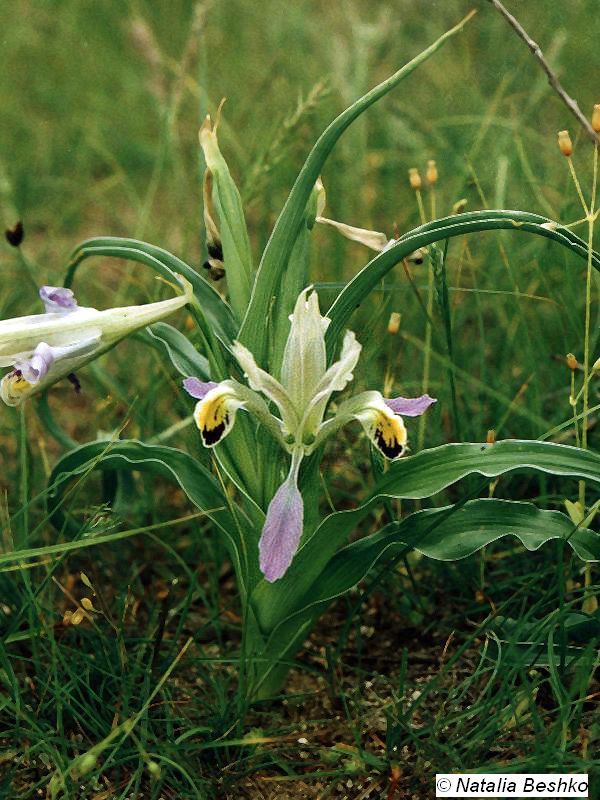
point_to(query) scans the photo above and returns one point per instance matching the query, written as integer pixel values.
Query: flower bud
(572, 362)
(491, 436)
(414, 178)
(596, 118)
(394, 323)
(596, 365)
(565, 144)
(432, 173)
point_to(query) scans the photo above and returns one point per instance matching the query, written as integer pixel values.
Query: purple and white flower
(301, 396)
(43, 348)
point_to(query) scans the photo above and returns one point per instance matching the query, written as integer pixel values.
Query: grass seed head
(565, 144)
(432, 172)
(596, 118)
(572, 362)
(414, 178)
(394, 323)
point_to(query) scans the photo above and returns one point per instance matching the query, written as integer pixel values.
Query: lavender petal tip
(58, 299)
(410, 406)
(197, 388)
(282, 531)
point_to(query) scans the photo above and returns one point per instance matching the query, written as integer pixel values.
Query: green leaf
(275, 258)
(237, 256)
(356, 291)
(531, 643)
(182, 353)
(445, 534)
(416, 477)
(217, 313)
(196, 481)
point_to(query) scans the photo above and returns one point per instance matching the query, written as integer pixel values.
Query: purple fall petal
(282, 530)
(35, 368)
(410, 406)
(58, 299)
(197, 388)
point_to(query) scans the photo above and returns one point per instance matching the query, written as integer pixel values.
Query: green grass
(99, 137)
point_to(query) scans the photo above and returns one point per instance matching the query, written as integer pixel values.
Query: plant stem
(589, 602)
(552, 78)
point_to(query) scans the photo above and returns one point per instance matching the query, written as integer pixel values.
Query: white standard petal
(337, 377)
(261, 381)
(305, 356)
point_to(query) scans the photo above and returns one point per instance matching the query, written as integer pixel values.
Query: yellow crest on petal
(13, 388)
(388, 433)
(215, 415)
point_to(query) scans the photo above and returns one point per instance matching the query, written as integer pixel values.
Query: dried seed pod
(432, 172)
(596, 118)
(572, 362)
(414, 178)
(564, 143)
(394, 322)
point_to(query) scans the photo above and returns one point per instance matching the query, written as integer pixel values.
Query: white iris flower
(43, 348)
(301, 396)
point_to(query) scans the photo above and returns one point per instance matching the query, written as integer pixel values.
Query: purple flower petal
(197, 388)
(35, 368)
(282, 530)
(410, 406)
(57, 299)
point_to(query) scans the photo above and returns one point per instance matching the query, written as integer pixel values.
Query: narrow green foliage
(232, 224)
(213, 307)
(279, 247)
(367, 279)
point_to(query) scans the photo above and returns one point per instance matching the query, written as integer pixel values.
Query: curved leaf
(187, 472)
(217, 312)
(417, 477)
(353, 294)
(253, 332)
(450, 534)
(181, 352)
(232, 223)
(445, 534)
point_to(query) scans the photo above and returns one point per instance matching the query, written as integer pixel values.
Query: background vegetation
(101, 103)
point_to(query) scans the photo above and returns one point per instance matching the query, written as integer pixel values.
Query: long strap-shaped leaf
(445, 534)
(175, 465)
(181, 352)
(253, 332)
(416, 477)
(214, 308)
(355, 292)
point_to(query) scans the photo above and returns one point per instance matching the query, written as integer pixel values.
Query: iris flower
(301, 396)
(43, 348)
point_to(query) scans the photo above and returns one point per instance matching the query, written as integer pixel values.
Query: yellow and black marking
(18, 383)
(213, 420)
(389, 434)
